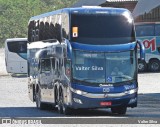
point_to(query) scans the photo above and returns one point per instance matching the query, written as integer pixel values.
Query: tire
(62, 108)
(66, 110)
(154, 65)
(39, 104)
(60, 102)
(119, 110)
(142, 66)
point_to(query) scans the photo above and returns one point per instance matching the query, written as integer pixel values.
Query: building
(128, 4)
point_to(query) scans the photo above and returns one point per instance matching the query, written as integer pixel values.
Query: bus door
(52, 80)
(57, 71)
(45, 78)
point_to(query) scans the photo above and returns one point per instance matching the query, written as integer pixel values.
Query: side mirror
(142, 50)
(68, 68)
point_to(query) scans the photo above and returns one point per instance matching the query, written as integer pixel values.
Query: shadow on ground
(148, 106)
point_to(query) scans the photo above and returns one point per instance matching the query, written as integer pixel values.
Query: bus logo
(106, 90)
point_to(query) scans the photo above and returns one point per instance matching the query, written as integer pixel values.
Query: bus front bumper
(107, 100)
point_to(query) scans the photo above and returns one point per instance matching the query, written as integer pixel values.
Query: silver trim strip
(105, 95)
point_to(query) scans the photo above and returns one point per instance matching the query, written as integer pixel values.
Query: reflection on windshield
(104, 67)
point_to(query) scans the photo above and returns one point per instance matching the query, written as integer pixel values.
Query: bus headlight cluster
(79, 92)
(132, 91)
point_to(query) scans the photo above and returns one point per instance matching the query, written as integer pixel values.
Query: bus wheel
(66, 110)
(119, 110)
(39, 104)
(154, 65)
(60, 102)
(142, 66)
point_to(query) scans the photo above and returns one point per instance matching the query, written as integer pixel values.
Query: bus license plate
(109, 103)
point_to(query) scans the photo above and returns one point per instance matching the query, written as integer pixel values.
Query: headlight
(132, 91)
(79, 92)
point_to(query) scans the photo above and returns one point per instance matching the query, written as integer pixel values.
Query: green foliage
(15, 14)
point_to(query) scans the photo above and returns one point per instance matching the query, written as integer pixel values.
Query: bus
(149, 34)
(16, 55)
(83, 58)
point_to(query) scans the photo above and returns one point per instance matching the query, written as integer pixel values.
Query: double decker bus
(83, 58)
(149, 34)
(16, 55)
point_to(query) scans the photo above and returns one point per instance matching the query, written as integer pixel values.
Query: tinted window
(53, 63)
(17, 46)
(144, 30)
(101, 29)
(157, 30)
(45, 65)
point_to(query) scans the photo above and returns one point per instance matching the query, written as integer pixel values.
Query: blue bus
(83, 58)
(149, 34)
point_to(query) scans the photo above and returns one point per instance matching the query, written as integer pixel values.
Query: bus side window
(53, 64)
(45, 65)
(65, 25)
(33, 36)
(157, 30)
(37, 35)
(30, 29)
(41, 31)
(46, 33)
(57, 67)
(52, 31)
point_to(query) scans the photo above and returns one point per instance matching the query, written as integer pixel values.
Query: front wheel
(60, 102)
(154, 65)
(119, 110)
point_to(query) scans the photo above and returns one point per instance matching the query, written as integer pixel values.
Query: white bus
(16, 55)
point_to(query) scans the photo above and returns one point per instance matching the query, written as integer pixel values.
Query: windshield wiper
(89, 79)
(123, 77)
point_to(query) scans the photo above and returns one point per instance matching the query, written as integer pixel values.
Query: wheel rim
(60, 102)
(141, 66)
(155, 66)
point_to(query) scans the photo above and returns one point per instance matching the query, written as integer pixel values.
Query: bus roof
(145, 23)
(41, 45)
(81, 9)
(15, 39)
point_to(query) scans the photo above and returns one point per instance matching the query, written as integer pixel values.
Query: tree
(14, 15)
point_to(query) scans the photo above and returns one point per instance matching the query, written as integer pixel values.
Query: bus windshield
(96, 67)
(101, 29)
(17, 46)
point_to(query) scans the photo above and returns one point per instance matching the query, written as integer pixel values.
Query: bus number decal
(150, 44)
